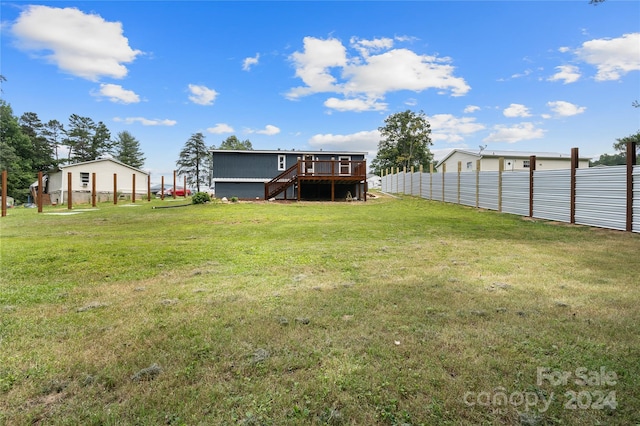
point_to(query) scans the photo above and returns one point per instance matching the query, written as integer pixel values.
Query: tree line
(28, 146)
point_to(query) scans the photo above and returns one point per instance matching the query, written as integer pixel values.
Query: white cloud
(374, 69)
(566, 73)
(450, 129)
(522, 74)
(360, 141)
(612, 57)
(268, 130)
(471, 109)
(516, 110)
(220, 128)
(366, 47)
(84, 45)
(146, 121)
(356, 105)
(565, 109)
(117, 94)
(249, 62)
(513, 134)
(564, 49)
(202, 95)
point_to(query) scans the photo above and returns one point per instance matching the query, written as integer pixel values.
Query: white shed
(106, 170)
(513, 160)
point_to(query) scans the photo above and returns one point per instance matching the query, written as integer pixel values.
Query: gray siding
(262, 165)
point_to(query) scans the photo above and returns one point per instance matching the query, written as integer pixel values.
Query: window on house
(525, 164)
(84, 179)
(469, 165)
(282, 162)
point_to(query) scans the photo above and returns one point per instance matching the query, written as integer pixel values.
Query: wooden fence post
(174, 185)
(631, 162)
(162, 189)
(115, 188)
(133, 188)
(149, 187)
(572, 198)
(4, 193)
(500, 172)
(532, 169)
(93, 189)
(69, 191)
(40, 192)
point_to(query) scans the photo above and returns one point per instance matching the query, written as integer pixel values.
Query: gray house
(293, 175)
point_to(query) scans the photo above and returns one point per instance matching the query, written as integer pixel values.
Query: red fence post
(631, 162)
(532, 169)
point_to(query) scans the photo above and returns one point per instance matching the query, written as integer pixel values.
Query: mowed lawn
(394, 312)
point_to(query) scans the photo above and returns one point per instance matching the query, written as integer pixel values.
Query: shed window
(282, 162)
(469, 165)
(526, 164)
(84, 179)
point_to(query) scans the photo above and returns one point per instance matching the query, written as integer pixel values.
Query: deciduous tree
(406, 138)
(232, 142)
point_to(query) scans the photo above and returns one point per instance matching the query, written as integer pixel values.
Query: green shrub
(200, 198)
(234, 199)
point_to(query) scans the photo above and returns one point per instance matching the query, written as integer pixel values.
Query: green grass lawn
(394, 311)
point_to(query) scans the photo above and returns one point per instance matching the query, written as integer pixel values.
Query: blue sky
(515, 75)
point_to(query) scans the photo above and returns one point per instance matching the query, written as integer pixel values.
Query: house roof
(489, 153)
(99, 160)
(281, 151)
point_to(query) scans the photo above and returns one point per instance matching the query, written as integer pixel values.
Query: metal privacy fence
(607, 197)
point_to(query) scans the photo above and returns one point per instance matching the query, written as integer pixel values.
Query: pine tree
(127, 150)
(193, 161)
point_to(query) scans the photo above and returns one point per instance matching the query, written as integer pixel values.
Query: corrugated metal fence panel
(601, 197)
(451, 187)
(437, 186)
(426, 182)
(515, 193)
(552, 195)
(488, 190)
(468, 188)
(415, 183)
(386, 187)
(636, 199)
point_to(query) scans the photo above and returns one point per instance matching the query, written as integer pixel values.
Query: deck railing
(321, 169)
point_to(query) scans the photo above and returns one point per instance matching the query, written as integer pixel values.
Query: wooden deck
(326, 174)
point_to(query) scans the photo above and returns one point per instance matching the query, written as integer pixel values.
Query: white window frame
(282, 162)
(340, 160)
(84, 179)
